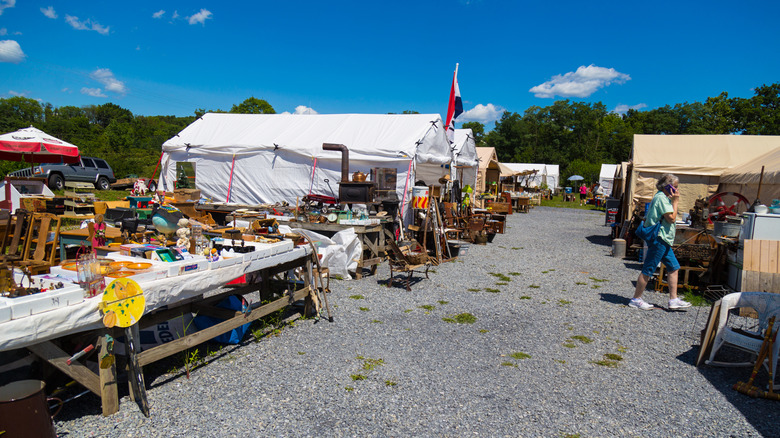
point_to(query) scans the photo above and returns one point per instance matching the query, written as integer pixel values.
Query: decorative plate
(139, 266)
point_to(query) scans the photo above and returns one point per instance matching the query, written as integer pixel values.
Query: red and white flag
(455, 107)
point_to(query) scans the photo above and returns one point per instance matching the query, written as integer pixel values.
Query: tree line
(581, 136)
(578, 136)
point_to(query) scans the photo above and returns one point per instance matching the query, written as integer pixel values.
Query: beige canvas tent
(698, 160)
(489, 169)
(744, 178)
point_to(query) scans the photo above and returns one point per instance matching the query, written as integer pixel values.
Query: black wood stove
(351, 192)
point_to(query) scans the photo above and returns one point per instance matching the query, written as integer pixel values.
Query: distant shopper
(662, 208)
(583, 192)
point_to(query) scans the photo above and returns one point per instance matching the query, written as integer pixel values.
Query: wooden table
(104, 382)
(371, 237)
(81, 235)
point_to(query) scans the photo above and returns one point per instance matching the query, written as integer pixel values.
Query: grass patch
(570, 345)
(357, 297)
(461, 318)
(613, 356)
(301, 353)
(534, 286)
(595, 286)
(693, 298)
(598, 280)
(376, 321)
(349, 388)
(560, 360)
(357, 377)
(515, 274)
(563, 302)
(605, 363)
(427, 307)
(390, 383)
(408, 310)
(516, 248)
(580, 283)
(364, 309)
(442, 302)
(583, 339)
(471, 289)
(520, 355)
(501, 284)
(508, 364)
(483, 331)
(500, 276)
(491, 290)
(369, 364)
(525, 297)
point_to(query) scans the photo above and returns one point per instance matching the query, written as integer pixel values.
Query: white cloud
(581, 83)
(5, 4)
(86, 25)
(159, 13)
(49, 12)
(175, 15)
(3, 32)
(16, 93)
(10, 51)
(302, 109)
(65, 90)
(109, 81)
(94, 92)
(200, 17)
(622, 108)
(481, 113)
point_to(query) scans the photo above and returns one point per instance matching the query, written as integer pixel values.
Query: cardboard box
(185, 195)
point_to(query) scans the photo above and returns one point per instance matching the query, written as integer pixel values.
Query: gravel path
(391, 366)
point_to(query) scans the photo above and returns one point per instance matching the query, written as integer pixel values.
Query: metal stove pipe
(344, 158)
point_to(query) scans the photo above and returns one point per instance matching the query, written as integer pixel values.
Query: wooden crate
(761, 266)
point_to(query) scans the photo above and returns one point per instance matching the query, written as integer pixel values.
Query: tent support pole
(230, 181)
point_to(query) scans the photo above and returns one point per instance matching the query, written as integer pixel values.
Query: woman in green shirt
(659, 250)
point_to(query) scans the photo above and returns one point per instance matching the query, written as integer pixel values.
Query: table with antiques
(44, 323)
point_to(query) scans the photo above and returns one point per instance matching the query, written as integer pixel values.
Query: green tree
(253, 105)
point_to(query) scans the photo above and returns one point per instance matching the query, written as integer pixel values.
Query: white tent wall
(465, 154)
(548, 173)
(607, 177)
(744, 179)
(275, 153)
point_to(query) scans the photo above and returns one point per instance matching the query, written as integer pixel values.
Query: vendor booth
(268, 158)
(744, 179)
(607, 178)
(698, 160)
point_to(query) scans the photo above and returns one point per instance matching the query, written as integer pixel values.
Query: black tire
(56, 182)
(152, 186)
(102, 183)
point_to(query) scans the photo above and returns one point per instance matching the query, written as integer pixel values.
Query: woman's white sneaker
(639, 303)
(678, 304)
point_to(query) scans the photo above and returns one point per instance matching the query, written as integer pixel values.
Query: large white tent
(267, 158)
(465, 160)
(607, 177)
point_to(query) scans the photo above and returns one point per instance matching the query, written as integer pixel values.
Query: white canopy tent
(465, 159)
(607, 178)
(267, 158)
(548, 173)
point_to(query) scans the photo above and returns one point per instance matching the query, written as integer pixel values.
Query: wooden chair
(19, 223)
(523, 204)
(453, 225)
(39, 252)
(402, 259)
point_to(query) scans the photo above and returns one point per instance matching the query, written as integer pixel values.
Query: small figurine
(139, 188)
(100, 232)
(183, 233)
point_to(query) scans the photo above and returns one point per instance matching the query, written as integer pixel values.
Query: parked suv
(89, 169)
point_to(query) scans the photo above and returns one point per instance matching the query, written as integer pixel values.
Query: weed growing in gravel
(492, 290)
(336, 277)
(349, 388)
(598, 280)
(563, 302)
(514, 274)
(519, 355)
(357, 297)
(501, 284)
(534, 286)
(509, 364)
(376, 321)
(427, 307)
(432, 271)
(473, 289)
(408, 310)
(357, 377)
(364, 309)
(605, 363)
(483, 331)
(442, 302)
(500, 276)
(580, 283)
(516, 248)
(369, 364)
(461, 318)
(583, 339)
(569, 344)
(525, 297)
(613, 356)
(301, 353)
(560, 360)
(571, 435)
(390, 383)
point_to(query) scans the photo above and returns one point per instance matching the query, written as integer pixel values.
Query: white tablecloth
(85, 316)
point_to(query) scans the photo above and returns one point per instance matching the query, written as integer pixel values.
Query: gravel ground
(526, 367)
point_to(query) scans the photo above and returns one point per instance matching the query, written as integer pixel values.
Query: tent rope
(313, 170)
(230, 181)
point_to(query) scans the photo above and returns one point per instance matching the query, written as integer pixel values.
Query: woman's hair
(665, 180)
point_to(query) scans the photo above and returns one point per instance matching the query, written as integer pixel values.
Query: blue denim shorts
(659, 251)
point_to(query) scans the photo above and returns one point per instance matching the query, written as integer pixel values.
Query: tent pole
(230, 181)
(313, 170)
(155, 167)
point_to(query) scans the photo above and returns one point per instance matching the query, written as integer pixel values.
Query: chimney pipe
(344, 158)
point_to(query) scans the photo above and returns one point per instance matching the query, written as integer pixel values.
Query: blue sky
(169, 58)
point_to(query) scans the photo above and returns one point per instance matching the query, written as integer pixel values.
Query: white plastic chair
(750, 340)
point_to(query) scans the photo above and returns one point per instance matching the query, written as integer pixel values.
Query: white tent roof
(464, 148)
(607, 171)
(371, 137)
(548, 172)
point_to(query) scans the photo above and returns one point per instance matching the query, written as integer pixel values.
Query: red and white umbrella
(35, 146)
